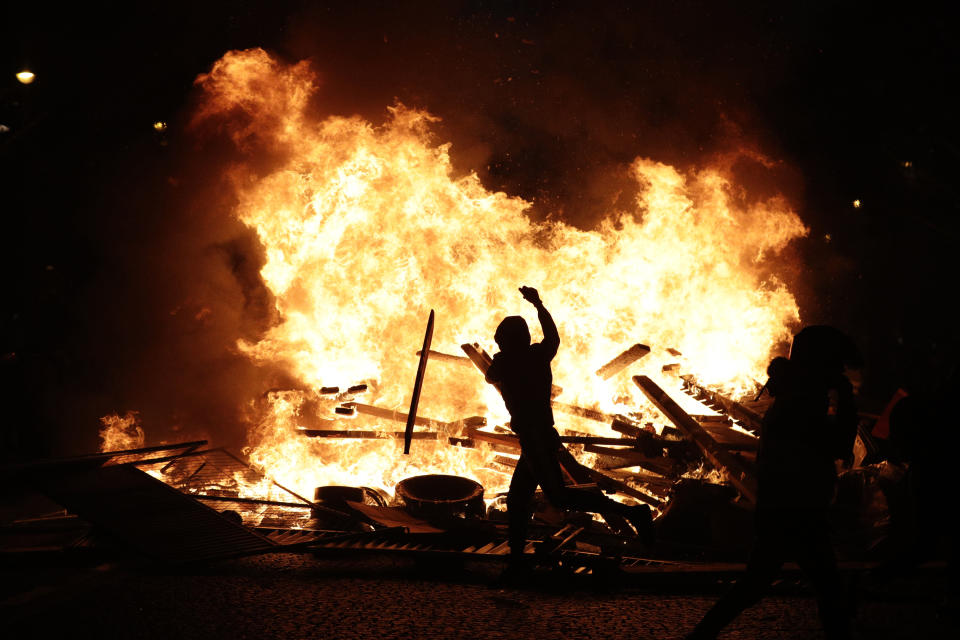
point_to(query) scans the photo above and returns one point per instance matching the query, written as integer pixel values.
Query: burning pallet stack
(696, 471)
(636, 461)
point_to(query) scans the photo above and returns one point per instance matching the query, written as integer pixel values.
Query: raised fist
(531, 295)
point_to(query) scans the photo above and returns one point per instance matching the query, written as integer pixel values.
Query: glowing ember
(366, 229)
(119, 433)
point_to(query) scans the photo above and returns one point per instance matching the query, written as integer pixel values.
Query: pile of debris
(186, 503)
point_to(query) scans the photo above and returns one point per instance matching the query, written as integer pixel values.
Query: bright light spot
(907, 164)
(26, 77)
(159, 125)
(856, 204)
(827, 237)
(4, 128)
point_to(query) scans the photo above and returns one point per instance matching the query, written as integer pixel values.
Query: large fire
(366, 228)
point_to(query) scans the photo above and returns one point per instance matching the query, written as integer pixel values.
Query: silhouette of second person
(521, 371)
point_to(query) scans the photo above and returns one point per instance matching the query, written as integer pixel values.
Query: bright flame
(119, 433)
(366, 229)
(26, 77)
(159, 125)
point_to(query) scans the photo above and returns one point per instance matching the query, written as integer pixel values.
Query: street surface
(379, 597)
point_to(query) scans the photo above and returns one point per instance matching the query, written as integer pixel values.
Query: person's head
(824, 350)
(779, 374)
(512, 334)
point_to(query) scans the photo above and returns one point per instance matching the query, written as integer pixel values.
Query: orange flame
(366, 228)
(120, 433)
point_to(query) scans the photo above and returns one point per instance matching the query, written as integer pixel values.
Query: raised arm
(551, 337)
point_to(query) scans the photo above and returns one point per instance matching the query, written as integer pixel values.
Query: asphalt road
(304, 596)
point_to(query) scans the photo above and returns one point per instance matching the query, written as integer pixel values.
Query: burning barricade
(364, 227)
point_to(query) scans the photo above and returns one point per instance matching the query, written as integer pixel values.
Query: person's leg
(766, 558)
(594, 501)
(523, 485)
(817, 560)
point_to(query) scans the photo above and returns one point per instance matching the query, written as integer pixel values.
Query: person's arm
(493, 371)
(846, 419)
(551, 337)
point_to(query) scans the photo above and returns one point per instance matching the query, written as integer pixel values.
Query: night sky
(113, 230)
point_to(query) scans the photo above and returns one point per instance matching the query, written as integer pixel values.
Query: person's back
(522, 370)
(797, 442)
(525, 380)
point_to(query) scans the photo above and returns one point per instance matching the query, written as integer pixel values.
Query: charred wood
(447, 357)
(623, 361)
(719, 457)
(746, 416)
(367, 435)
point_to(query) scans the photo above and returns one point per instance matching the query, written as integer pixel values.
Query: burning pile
(367, 227)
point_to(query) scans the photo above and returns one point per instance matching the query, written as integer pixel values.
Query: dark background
(126, 285)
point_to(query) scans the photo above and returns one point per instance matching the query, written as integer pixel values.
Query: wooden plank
(477, 356)
(623, 361)
(367, 435)
(632, 458)
(742, 414)
(446, 357)
(731, 438)
(396, 416)
(502, 439)
(719, 457)
(511, 440)
(590, 414)
(418, 384)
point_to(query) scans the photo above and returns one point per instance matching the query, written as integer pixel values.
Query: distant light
(160, 125)
(26, 77)
(4, 128)
(907, 164)
(856, 204)
(828, 237)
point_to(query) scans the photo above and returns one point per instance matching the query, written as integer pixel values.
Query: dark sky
(113, 231)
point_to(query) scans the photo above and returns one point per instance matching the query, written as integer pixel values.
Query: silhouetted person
(811, 424)
(923, 435)
(521, 371)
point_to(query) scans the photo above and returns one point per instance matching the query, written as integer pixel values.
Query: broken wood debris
(477, 356)
(446, 357)
(623, 361)
(590, 414)
(719, 457)
(366, 435)
(632, 458)
(418, 383)
(396, 416)
(749, 418)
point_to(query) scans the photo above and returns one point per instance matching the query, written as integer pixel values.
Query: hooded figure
(521, 371)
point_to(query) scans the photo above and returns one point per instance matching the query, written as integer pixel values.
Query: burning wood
(418, 384)
(367, 435)
(748, 417)
(717, 455)
(446, 357)
(396, 416)
(623, 361)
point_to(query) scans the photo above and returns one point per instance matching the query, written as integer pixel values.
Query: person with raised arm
(521, 371)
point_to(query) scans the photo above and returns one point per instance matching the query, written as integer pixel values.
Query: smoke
(550, 103)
